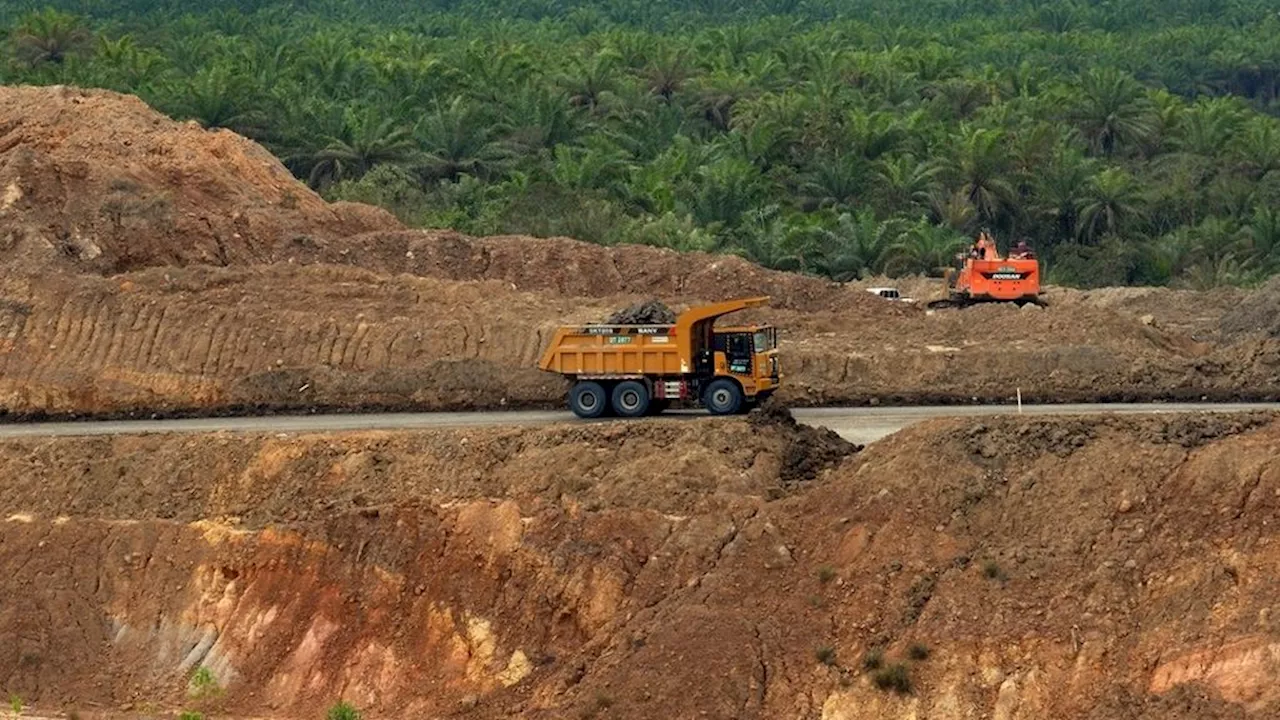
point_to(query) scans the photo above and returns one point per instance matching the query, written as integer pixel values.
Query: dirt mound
(99, 181)
(809, 450)
(649, 312)
(566, 267)
(1257, 314)
(553, 574)
(670, 466)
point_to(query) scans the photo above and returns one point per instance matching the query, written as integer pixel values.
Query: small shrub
(826, 655)
(873, 660)
(203, 683)
(992, 571)
(188, 715)
(15, 704)
(894, 677)
(603, 702)
(826, 574)
(343, 711)
(918, 652)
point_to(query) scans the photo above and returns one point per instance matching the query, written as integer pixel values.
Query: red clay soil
(97, 181)
(1111, 569)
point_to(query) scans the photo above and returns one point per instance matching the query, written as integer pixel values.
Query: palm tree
(1112, 113)
(836, 180)
(1114, 202)
(1209, 126)
(724, 189)
(873, 134)
(597, 165)
(458, 140)
(666, 76)
(1061, 189)
(718, 92)
(1257, 148)
(980, 170)
(221, 97)
(1227, 269)
(493, 72)
(858, 246)
(1263, 231)
(925, 248)
(903, 183)
(593, 82)
(366, 141)
(540, 118)
(49, 36)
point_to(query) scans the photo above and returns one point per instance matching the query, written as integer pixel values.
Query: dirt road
(859, 425)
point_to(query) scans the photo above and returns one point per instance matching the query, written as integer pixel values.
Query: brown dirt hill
(1111, 569)
(98, 181)
(204, 340)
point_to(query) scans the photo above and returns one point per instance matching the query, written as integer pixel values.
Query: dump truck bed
(614, 351)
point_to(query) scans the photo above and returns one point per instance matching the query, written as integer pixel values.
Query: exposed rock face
(578, 570)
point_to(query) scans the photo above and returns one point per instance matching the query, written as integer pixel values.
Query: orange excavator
(982, 275)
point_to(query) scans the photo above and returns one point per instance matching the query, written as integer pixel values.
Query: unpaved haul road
(859, 425)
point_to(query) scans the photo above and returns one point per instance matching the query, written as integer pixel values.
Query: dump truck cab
(749, 354)
(635, 370)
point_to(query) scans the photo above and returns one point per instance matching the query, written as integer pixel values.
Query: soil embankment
(1116, 568)
(152, 267)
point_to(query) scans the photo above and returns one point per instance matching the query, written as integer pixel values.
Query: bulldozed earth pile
(153, 267)
(1114, 569)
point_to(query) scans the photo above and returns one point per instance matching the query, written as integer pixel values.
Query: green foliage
(992, 571)
(873, 660)
(1131, 142)
(895, 677)
(203, 685)
(15, 704)
(825, 655)
(190, 715)
(918, 652)
(343, 710)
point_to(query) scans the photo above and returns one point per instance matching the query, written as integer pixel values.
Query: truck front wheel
(723, 397)
(588, 400)
(631, 399)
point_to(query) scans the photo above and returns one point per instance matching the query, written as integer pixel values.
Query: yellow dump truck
(635, 370)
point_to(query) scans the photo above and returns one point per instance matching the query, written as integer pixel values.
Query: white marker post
(1019, 401)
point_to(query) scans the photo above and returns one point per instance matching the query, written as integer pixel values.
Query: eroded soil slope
(1119, 568)
(96, 181)
(203, 339)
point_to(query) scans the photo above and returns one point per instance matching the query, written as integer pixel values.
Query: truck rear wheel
(631, 399)
(588, 400)
(723, 397)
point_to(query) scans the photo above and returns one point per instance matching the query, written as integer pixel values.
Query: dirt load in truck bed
(1111, 569)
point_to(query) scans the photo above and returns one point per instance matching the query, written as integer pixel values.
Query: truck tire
(588, 400)
(723, 397)
(630, 399)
